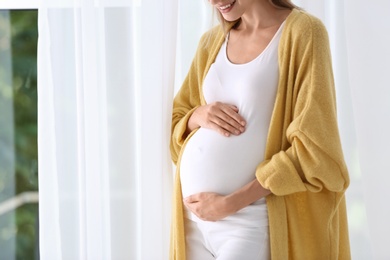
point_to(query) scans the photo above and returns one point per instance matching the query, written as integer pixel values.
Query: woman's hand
(209, 206)
(221, 117)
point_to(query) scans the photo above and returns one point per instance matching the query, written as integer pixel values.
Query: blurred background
(18, 116)
(18, 135)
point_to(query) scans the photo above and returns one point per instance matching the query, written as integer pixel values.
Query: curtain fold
(106, 76)
(368, 67)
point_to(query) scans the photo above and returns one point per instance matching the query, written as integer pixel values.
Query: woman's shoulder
(301, 22)
(302, 27)
(212, 38)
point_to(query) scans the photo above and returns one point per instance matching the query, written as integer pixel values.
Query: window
(18, 134)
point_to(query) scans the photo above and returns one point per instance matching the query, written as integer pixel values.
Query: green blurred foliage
(24, 56)
(24, 36)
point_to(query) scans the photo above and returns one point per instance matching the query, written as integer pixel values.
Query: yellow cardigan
(303, 165)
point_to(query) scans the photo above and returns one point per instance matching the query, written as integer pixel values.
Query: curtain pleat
(368, 69)
(106, 77)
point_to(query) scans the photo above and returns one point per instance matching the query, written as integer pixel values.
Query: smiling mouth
(226, 7)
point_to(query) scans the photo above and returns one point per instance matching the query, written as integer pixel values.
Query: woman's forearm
(246, 195)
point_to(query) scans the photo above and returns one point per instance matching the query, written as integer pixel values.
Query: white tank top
(215, 163)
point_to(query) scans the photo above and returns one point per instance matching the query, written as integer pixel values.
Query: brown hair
(227, 25)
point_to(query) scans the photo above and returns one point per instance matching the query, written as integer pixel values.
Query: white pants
(228, 239)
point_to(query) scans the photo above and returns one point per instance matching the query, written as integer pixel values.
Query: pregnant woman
(260, 170)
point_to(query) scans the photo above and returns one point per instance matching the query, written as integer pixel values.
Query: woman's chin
(230, 18)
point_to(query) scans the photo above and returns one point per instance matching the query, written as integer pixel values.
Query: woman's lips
(227, 8)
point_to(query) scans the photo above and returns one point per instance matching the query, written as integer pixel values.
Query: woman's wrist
(245, 196)
(234, 203)
(192, 122)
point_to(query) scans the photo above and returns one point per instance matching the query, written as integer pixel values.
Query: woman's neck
(262, 14)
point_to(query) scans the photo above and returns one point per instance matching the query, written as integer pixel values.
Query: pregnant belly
(215, 163)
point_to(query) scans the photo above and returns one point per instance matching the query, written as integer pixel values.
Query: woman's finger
(232, 112)
(221, 117)
(229, 123)
(226, 116)
(191, 199)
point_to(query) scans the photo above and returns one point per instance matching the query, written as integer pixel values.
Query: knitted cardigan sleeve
(184, 104)
(189, 96)
(310, 158)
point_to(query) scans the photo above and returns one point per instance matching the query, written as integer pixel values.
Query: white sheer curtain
(106, 76)
(359, 38)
